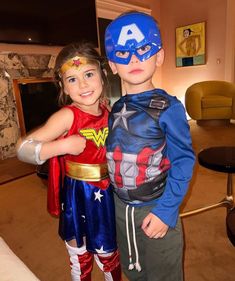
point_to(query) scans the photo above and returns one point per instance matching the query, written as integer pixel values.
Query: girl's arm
(42, 144)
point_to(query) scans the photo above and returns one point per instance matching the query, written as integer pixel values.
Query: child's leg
(164, 256)
(160, 259)
(109, 264)
(81, 262)
(128, 257)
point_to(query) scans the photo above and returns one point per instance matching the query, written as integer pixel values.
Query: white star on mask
(121, 117)
(98, 195)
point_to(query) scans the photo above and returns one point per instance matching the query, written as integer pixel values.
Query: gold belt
(86, 172)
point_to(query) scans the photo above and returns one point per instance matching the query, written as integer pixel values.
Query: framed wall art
(190, 45)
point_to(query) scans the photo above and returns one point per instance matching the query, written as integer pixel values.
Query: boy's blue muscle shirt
(149, 152)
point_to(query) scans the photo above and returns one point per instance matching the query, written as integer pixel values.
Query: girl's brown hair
(83, 49)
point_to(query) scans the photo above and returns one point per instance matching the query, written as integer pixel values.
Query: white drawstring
(131, 265)
(137, 264)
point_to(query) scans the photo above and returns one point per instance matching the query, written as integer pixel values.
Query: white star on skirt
(98, 195)
(101, 250)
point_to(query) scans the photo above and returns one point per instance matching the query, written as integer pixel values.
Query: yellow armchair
(211, 100)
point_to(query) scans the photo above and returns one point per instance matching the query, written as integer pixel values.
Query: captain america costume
(149, 153)
(140, 154)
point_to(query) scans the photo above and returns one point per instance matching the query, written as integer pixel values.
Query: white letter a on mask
(130, 32)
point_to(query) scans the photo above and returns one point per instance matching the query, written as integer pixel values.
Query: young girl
(77, 133)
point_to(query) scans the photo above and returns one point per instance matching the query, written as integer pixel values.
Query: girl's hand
(74, 145)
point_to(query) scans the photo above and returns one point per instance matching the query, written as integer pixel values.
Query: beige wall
(220, 37)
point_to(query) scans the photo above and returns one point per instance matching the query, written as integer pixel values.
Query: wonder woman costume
(86, 199)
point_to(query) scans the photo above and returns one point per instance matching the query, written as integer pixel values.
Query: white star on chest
(120, 118)
(98, 196)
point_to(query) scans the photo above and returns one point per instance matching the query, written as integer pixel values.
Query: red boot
(81, 263)
(110, 265)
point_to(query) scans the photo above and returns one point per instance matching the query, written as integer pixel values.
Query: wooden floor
(12, 169)
(32, 233)
(27, 193)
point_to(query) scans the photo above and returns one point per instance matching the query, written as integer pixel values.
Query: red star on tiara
(77, 62)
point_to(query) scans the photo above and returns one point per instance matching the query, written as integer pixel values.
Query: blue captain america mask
(134, 33)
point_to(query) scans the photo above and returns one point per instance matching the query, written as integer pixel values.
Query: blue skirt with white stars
(88, 215)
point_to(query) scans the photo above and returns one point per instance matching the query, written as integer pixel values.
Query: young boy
(149, 154)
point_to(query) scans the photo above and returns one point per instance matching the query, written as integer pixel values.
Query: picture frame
(191, 45)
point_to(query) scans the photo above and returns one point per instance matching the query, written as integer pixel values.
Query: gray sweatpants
(160, 259)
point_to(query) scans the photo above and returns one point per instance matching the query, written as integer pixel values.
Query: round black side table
(220, 159)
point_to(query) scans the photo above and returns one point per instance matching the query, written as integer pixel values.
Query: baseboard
(213, 122)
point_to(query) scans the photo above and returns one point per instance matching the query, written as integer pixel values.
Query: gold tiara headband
(75, 62)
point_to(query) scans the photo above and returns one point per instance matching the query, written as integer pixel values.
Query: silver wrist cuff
(29, 152)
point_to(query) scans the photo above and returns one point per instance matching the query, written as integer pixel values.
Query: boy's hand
(153, 227)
